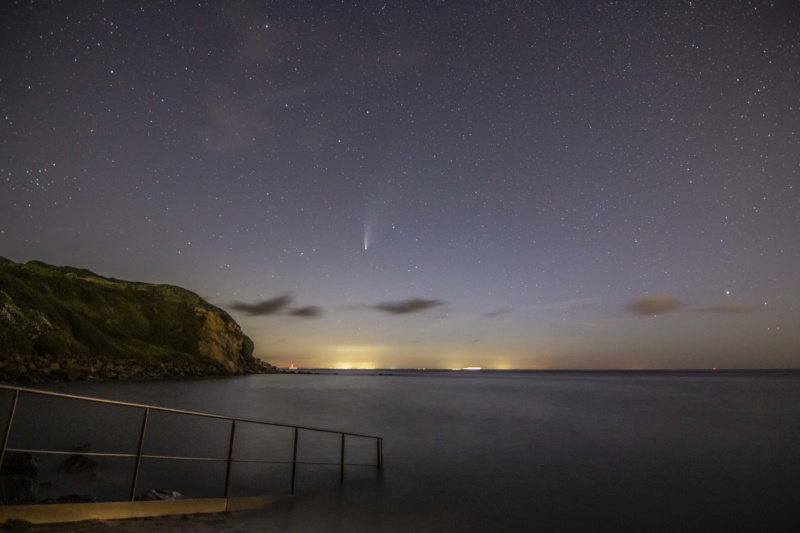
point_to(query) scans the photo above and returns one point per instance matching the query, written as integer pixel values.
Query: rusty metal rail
(139, 455)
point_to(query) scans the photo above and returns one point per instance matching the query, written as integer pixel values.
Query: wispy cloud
(277, 306)
(655, 304)
(725, 307)
(309, 311)
(237, 115)
(412, 305)
(265, 307)
(498, 312)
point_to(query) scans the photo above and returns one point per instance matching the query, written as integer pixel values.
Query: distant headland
(66, 324)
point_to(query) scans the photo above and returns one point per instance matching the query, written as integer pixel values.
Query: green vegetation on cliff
(50, 311)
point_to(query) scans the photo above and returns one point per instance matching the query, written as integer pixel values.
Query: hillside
(68, 323)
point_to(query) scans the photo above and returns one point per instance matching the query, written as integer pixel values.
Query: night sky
(549, 184)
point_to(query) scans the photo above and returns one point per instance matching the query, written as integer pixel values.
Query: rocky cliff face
(59, 317)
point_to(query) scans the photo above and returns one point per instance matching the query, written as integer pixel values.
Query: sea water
(470, 451)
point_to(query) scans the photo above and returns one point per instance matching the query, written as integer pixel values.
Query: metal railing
(147, 409)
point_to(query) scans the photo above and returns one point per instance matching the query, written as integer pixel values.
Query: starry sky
(438, 184)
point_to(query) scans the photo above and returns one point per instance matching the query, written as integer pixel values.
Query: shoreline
(252, 520)
(32, 370)
(37, 369)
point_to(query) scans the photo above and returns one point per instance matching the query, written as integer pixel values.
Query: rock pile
(19, 479)
(23, 369)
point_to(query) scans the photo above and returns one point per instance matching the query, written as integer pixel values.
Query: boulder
(77, 463)
(19, 479)
(160, 495)
(18, 490)
(19, 464)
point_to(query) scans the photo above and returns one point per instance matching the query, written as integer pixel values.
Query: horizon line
(470, 370)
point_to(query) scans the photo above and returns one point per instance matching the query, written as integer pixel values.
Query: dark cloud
(309, 311)
(473, 341)
(277, 306)
(726, 307)
(498, 312)
(664, 303)
(267, 307)
(412, 305)
(655, 304)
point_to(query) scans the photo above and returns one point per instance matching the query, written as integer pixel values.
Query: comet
(366, 235)
(378, 211)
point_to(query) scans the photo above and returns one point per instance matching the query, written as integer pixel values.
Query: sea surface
(463, 451)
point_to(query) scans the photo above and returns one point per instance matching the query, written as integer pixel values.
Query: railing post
(294, 459)
(230, 458)
(139, 454)
(8, 426)
(341, 463)
(4, 446)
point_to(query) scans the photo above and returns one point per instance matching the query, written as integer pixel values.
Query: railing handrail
(139, 455)
(182, 411)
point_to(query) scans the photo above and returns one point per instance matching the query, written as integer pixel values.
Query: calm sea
(469, 451)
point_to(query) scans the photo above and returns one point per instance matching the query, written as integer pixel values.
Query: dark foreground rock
(159, 495)
(19, 479)
(63, 323)
(23, 370)
(78, 463)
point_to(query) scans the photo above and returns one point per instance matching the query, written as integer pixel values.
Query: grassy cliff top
(46, 309)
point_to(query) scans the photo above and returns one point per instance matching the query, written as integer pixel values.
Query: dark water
(473, 451)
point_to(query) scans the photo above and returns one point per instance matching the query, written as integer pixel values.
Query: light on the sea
(471, 368)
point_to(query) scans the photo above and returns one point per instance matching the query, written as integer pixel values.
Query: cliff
(69, 323)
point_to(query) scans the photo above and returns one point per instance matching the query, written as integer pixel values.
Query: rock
(19, 479)
(20, 464)
(18, 490)
(75, 498)
(16, 524)
(77, 463)
(159, 495)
